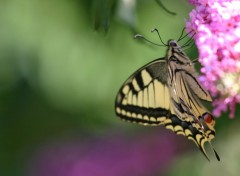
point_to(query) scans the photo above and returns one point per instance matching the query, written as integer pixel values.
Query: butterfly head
(173, 44)
(175, 53)
(175, 47)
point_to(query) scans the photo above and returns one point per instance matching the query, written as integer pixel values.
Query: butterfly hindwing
(188, 130)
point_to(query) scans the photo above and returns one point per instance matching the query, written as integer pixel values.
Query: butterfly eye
(173, 44)
(208, 118)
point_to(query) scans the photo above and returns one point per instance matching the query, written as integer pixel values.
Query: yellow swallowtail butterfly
(166, 92)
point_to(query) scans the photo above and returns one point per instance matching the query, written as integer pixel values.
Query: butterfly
(166, 92)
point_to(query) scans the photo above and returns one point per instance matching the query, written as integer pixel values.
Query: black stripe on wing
(139, 81)
(142, 115)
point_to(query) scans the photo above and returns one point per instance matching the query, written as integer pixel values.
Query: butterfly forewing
(144, 97)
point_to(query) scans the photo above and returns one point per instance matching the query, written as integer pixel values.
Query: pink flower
(217, 27)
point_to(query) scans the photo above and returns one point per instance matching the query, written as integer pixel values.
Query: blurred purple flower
(217, 27)
(117, 155)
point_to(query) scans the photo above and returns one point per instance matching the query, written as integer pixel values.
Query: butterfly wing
(144, 98)
(193, 83)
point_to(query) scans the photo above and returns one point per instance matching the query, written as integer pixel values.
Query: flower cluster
(217, 27)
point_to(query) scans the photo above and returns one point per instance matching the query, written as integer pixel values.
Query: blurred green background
(61, 65)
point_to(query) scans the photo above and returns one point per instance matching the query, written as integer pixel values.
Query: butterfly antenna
(182, 37)
(155, 30)
(184, 48)
(189, 41)
(141, 37)
(181, 34)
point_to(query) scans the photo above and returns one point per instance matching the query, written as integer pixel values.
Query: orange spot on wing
(208, 118)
